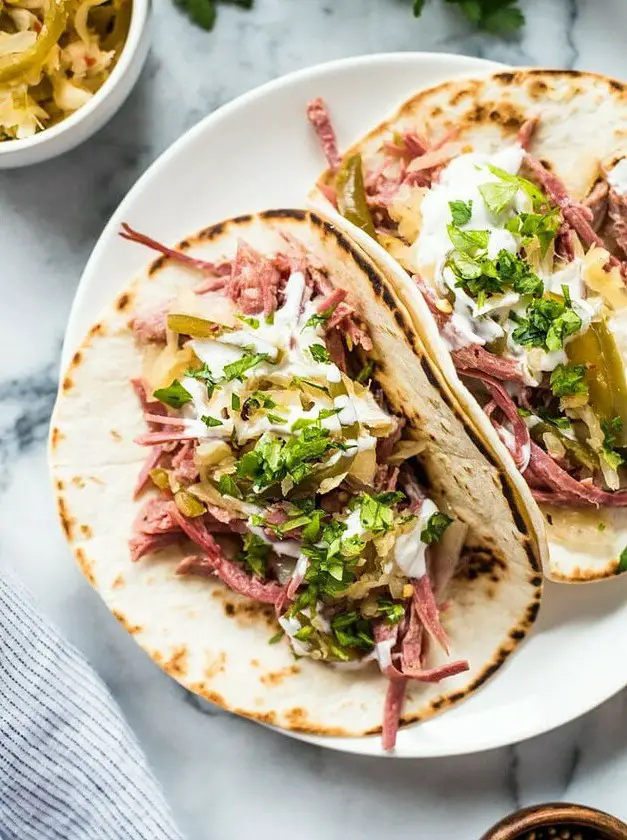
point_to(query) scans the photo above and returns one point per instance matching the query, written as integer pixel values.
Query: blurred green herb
(203, 12)
(495, 16)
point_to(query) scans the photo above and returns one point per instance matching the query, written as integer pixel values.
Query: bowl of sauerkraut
(66, 66)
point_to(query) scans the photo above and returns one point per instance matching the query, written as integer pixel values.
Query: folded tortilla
(580, 136)
(214, 642)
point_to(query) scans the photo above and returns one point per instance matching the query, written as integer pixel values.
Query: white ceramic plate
(257, 153)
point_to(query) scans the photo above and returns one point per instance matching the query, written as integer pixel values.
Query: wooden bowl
(520, 825)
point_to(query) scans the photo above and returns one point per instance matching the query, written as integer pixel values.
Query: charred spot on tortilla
(296, 215)
(131, 628)
(68, 384)
(56, 436)
(85, 565)
(123, 301)
(481, 563)
(86, 531)
(177, 664)
(97, 329)
(76, 358)
(274, 678)
(115, 435)
(118, 583)
(67, 521)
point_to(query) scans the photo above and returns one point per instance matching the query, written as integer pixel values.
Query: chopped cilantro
(611, 428)
(568, 380)
(228, 487)
(481, 276)
(305, 633)
(319, 319)
(254, 554)
(256, 401)
(540, 226)
(536, 195)
(210, 422)
(435, 527)
(235, 402)
(468, 241)
(622, 563)
(204, 375)
(498, 195)
(253, 323)
(547, 323)
(559, 422)
(319, 353)
(236, 370)
(277, 419)
(277, 637)
(300, 380)
(523, 412)
(461, 212)
(352, 631)
(376, 512)
(175, 395)
(393, 612)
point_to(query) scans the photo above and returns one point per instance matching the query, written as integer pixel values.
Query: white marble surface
(225, 776)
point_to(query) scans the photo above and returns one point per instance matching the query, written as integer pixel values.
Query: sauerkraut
(54, 56)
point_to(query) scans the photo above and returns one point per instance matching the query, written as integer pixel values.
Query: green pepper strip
(605, 373)
(16, 65)
(193, 326)
(351, 195)
(580, 452)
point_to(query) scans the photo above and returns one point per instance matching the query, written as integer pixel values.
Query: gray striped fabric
(69, 765)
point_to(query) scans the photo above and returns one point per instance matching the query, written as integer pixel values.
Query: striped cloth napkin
(70, 767)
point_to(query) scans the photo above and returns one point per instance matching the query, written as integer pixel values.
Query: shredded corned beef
(385, 478)
(564, 242)
(330, 301)
(412, 649)
(142, 544)
(543, 471)
(254, 282)
(151, 462)
(522, 440)
(392, 709)
(155, 517)
(149, 327)
(153, 407)
(423, 601)
(410, 486)
(183, 464)
(526, 132)
(578, 216)
(617, 209)
(477, 358)
(318, 116)
(335, 348)
(215, 564)
(597, 202)
(218, 270)
(156, 438)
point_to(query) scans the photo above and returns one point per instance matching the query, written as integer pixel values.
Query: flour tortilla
(582, 130)
(214, 642)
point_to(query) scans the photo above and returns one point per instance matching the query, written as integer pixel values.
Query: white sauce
(286, 548)
(290, 626)
(409, 549)
(617, 177)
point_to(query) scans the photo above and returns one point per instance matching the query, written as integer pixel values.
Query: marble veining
(224, 776)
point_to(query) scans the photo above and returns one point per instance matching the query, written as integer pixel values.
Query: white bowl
(87, 120)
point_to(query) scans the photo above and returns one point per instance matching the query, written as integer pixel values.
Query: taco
(244, 452)
(502, 202)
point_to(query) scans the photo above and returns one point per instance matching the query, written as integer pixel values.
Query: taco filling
(526, 285)
(274, 455)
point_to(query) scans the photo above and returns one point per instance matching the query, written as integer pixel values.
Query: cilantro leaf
(253, 323)
(201, 12)
(547, 323)
(175, 395)
(540, 226)
(568, 380)
(622, 562)
(468, 241)
(319, 353)
(536, 195)
(435, 527)
(393, 612)
(254, 554)
(376, 512)
(418, 7)
(461, 212)
(498, 195)
(228, 487)
(277, 637)
(210, 422)
(235, 402)
(236, 370)
(611, 428)
(506, 19)
(352, 631)
(558, 422)
(204, 375)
